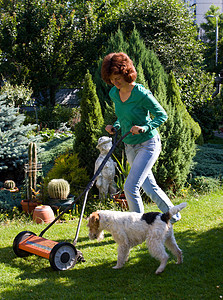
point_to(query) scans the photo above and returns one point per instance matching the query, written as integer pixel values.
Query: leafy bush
(196, 88)
(51, 117)
(17, 95)
(49, 134)
(9, 200)
(204, 184)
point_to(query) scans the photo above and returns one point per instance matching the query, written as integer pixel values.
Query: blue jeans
(141, 158)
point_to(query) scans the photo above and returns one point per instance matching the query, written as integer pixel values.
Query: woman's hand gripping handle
(136, 130)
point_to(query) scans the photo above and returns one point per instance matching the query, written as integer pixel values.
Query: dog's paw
(179, 261)
(179, 258)
(159, 271)
(117, 267)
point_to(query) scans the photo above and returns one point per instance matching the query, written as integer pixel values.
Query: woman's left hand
(136, 130)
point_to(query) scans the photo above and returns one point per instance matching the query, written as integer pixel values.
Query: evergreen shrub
(88, 130)
(174, 98)
(208, 161)
(116, 44)
(9, 200)
(14, 140)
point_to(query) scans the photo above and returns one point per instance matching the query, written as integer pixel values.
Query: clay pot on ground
(28, 206)
(43, 214)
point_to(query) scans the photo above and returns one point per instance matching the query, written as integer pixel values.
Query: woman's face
(118, 80)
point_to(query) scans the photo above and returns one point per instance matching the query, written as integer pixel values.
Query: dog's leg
(171, 244)
(157, 250)
(123, 253)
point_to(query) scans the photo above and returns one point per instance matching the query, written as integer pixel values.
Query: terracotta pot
(43, 214)
(28, 206)
(120, 199)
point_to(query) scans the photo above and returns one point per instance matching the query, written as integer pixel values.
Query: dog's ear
(94, 220)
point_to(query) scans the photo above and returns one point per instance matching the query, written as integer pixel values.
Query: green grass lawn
(199, 234)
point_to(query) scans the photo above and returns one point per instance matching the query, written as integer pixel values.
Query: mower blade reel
(20, 238)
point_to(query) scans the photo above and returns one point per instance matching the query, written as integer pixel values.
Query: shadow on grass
(199, 277)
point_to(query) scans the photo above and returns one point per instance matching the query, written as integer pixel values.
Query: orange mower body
(62, 256)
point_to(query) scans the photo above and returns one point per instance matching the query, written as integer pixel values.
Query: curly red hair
(118, 63)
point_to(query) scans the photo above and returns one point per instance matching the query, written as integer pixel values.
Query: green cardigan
(136, 111)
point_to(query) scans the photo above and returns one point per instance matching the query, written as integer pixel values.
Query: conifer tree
(173, 97)
(88, 130)
(140, 76)
(14, 141)
(153, 71)
(178, 134)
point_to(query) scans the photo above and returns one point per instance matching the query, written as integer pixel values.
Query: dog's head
(94, 224)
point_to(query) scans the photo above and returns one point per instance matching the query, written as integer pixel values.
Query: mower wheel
(18, 239)
(63, 256)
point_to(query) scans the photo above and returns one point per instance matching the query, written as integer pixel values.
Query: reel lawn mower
(62, 255)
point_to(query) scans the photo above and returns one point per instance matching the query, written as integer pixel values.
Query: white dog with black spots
(130, 229)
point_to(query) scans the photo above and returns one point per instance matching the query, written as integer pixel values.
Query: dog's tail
(173, 210)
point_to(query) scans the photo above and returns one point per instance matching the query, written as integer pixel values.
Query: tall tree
(38, 45)
(209, 39)
(88, 130)
(165, 26)
(179, 134)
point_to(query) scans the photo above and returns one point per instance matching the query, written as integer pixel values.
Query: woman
(133, 105)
